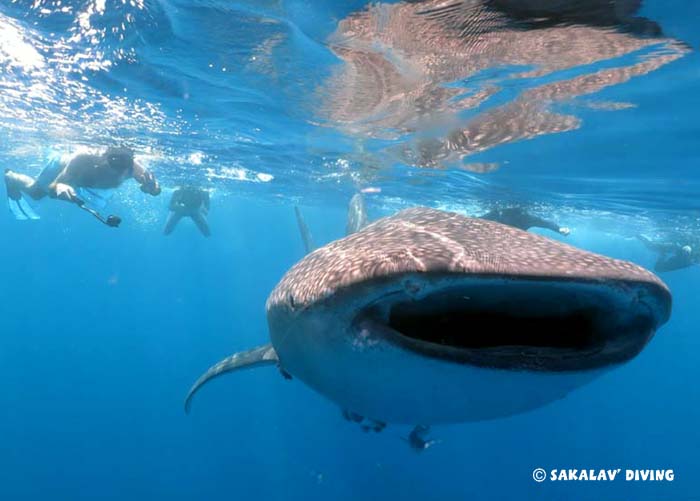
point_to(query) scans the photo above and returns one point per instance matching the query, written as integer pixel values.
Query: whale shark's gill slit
(531, 325)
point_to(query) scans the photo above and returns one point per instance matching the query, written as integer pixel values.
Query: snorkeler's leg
(13, 184)
(173, 219)
(19, 188)
(17, 184)
(201, 221)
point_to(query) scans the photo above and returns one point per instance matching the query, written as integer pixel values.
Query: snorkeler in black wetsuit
(672, 256)
(519, 218)
(192, 202)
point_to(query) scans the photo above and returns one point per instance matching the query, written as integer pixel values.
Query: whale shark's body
(431, 317)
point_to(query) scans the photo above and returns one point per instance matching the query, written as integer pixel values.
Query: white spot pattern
(424, 240)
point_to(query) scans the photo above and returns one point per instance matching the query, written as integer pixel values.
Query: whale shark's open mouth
(521, 324)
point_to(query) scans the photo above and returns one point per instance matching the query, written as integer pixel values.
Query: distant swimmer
(192, 202)
(86, 180)
(672, 256)
(518, 217)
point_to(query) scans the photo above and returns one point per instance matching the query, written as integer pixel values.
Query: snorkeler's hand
(149, 184)
(66, 192)
(152, 188)
(564, 231)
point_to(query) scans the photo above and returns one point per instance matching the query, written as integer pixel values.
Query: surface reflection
(451, 79)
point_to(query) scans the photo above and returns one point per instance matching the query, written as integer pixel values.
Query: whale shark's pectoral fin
(309, 246)
(262, 355)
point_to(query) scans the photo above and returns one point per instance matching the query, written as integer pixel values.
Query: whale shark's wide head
(429, 316)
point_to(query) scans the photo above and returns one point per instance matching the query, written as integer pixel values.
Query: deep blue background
(103, 331)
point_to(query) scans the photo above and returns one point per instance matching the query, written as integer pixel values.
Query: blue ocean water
(271, 104)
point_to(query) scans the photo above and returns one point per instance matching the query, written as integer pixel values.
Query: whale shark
(428, 317)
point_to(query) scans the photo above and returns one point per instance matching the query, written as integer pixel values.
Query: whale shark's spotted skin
(429, 240)
(430, 317)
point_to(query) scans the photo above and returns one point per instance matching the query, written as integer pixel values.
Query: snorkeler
(672, 256)
(78, 179)
(519, 218)
(192, 202)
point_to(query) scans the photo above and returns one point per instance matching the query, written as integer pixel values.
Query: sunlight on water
(340, 98)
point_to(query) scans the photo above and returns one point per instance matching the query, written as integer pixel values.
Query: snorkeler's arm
(146, 179)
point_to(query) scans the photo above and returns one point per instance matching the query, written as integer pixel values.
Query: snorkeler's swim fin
(19, 205)
(262, 355)
(22, 209)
